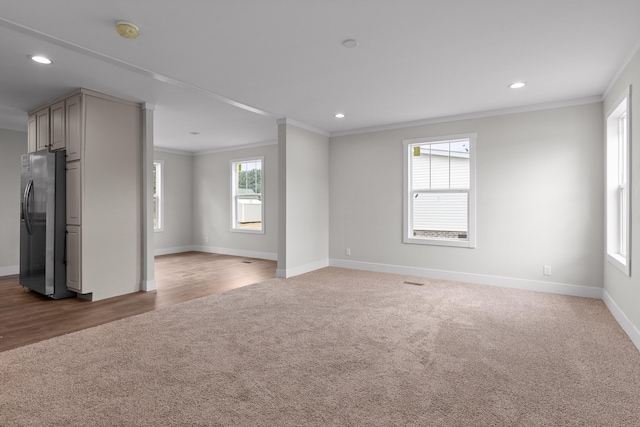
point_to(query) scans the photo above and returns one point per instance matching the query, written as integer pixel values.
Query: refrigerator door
(42, 224)
(33, 230)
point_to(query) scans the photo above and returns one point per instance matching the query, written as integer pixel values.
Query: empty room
(322, 213)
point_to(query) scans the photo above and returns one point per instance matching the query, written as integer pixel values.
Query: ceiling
(228, 69)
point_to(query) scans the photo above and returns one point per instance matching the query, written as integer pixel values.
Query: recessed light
(350, 43)
(41, 59)
(194, 133)
(339, 115)
(517, 85)
(128, 30)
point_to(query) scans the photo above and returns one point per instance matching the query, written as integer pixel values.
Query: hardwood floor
(27, 317)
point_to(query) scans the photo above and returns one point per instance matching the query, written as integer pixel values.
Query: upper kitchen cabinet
(38, 131)
(57, 126)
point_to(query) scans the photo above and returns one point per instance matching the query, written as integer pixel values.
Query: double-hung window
(439, 191)
(247, 201)
(158, 214)
(618, 183)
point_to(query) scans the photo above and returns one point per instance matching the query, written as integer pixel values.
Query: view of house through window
(439, 191)
(247, 201)
(157, 196)
(618, 207)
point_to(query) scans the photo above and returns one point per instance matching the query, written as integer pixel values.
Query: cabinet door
(73, 119)
(42, 129)
(74, 193)
(58, 137)
(74, 258)
(32, 134)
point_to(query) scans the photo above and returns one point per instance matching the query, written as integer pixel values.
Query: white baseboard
(236, 252)
(295, 271)
(622, 319)
(176, 250)
(505, 282)
(10, 270)
(148, 285)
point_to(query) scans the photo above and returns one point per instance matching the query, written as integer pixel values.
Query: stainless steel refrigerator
(43, 223)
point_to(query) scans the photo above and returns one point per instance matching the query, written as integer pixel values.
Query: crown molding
(292, 122)
(470, 116)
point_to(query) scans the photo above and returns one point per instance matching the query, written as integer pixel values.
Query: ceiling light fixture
(350, 43)
(339, 115)
(517, 85)
(41, 59)
(128, 30)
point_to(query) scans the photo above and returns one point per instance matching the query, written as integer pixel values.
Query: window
(439, 191)
(158, 220)
(618, 183)
(247, 202)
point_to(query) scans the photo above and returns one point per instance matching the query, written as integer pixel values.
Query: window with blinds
(439, 191)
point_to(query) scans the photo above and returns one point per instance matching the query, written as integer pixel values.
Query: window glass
(439, 192)
(247, 199)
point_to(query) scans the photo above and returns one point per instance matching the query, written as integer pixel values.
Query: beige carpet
(336, 348)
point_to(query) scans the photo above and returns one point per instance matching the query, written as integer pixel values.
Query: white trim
(173, 151)
(148, 285)
(635, 50)
(272, 256)
(479, 279)
(10, 270)
(302, 269)
(289, 121)
(476, 115)
(236, 147)
(175, 250)
(622, 319)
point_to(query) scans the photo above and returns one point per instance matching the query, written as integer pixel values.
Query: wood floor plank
(27, 317)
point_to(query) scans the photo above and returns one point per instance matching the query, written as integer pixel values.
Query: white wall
(304, 200)
(12, 145)
(539, 202)
(622, 293)
(212, 204)
(178, 203)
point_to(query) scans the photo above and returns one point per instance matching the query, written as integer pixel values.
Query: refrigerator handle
(25, 205)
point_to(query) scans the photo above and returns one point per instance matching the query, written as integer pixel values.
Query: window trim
(617, 211)
(470, 242)
(159, 207)
(233, 167)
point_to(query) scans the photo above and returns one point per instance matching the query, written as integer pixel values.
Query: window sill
(619, 262)
(441, 242)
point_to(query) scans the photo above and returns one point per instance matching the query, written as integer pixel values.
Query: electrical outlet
(546, 270)
(206, 239)
(347, 251)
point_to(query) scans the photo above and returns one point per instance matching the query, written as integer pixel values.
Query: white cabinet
(49, 127)
(102, 136)
(57, 135)
(38, 130)
(73, 126)
(74, 192)
(74, 258)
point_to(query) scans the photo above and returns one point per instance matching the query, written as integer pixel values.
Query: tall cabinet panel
(57, 135)
(42, 129)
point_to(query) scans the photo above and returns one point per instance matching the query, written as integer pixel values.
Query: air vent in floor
(413, 283)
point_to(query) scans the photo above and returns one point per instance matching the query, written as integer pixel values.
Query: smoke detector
(128, 30)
